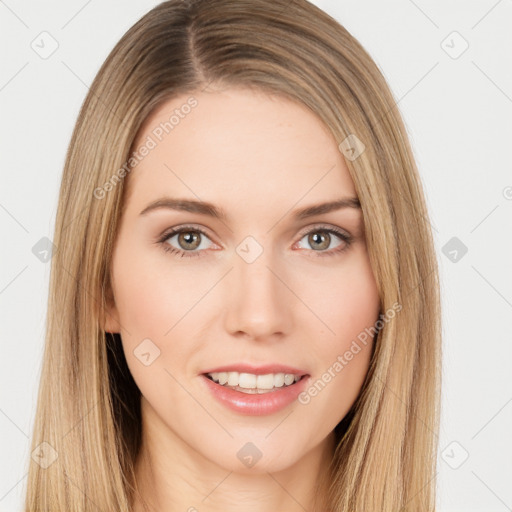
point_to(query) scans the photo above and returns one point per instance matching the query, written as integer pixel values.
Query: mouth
(252, 383)
(256, 394)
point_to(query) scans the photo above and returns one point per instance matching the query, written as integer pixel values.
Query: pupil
(189, 238)
(320, 238)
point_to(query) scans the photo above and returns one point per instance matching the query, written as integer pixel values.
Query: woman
(244, 305)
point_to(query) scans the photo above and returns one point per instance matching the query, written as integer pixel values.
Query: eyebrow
(205, 208)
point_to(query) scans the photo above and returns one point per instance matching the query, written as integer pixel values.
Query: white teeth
(279, 380)
(251, 381)
(247, 380)
(289, 379)
(265, 381)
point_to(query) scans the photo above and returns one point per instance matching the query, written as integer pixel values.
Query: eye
(188, 239)
(320, 239)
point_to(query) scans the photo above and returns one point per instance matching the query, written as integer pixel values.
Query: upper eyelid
(320, 226)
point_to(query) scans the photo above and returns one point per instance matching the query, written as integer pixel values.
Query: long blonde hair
(87, 428)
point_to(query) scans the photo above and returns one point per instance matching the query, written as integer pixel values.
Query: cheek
(348, 305)
(346, 300)
(152, 294)
(155, 303)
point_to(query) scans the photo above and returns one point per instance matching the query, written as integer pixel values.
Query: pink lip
(256, 404)
(257, 370)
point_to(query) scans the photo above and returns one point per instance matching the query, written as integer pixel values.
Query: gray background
(457, 107)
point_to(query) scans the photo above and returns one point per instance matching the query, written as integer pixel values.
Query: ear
(110, 315)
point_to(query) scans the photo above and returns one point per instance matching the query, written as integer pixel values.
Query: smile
(252, 383)
(255, 401)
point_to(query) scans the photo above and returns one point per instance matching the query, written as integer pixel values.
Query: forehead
(237, 144)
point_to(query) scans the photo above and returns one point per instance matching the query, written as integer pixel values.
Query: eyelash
(188, 254)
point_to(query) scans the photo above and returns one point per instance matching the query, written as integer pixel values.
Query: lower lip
(256, 404)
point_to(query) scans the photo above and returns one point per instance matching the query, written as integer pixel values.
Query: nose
(259, 301)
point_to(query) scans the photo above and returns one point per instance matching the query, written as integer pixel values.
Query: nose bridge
(258, 302)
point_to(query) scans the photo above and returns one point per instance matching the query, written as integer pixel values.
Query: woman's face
(258, 287)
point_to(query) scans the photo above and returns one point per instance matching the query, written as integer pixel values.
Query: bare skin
(301, 302)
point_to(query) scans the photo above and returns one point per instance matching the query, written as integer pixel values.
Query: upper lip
(257, 370)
